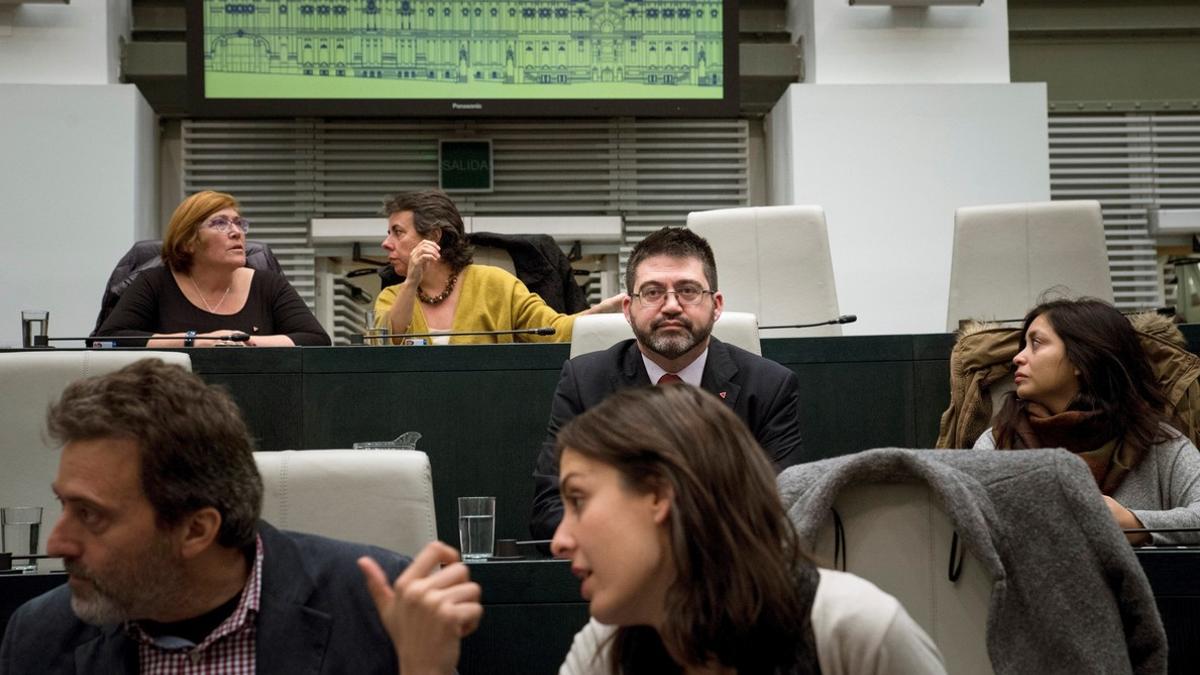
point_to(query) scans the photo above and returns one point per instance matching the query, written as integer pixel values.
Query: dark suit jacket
(764, 394)
(315, 616)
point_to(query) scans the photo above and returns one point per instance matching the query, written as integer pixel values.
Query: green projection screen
(466, 58)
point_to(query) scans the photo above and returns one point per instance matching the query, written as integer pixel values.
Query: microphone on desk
(540, 330)
(845, 318)
(116, 340)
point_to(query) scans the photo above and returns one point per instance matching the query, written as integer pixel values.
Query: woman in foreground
(205, 292)
(1084, 383)
(687, 559)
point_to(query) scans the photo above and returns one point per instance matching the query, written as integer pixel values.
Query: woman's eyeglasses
(224, 225)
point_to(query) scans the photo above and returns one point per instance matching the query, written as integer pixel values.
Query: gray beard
(98, 610)
(673, 345)
(140, 590)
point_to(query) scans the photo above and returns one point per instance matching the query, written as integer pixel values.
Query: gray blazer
(315, 616)
(1163, 490)
(1068, 595)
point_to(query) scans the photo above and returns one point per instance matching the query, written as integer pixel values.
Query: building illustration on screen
(497, 48)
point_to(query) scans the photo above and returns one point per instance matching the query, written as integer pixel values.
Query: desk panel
(1174, 574)
(267, 386)
(532, 610)
(269, 402)
(847, 407)
(481, 412)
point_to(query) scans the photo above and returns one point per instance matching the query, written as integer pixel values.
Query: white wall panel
(76, 182)
(76, 43)
(890, 164)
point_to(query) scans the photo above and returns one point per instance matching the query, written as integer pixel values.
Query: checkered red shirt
(228, 650)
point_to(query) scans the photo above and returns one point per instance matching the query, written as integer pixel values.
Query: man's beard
(675, 343)
(136, 591)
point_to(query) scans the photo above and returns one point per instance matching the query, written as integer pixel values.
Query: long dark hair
(743, 588)
(1115, 377)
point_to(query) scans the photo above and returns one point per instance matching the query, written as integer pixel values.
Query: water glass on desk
(20, 527)
(34, 323)
(476, 527)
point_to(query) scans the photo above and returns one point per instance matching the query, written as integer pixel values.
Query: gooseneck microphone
(44, 341)
(540, 330)
(845, 318)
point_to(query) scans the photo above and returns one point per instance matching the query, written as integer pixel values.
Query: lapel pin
(722, 394)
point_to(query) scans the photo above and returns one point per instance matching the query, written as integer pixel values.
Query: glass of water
(476, 526)
(20, 527)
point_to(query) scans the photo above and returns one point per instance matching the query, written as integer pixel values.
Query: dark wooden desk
(532, 609)
(1174, 573)
(482, 410)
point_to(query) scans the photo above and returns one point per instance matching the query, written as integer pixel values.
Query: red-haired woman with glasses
(204, 292)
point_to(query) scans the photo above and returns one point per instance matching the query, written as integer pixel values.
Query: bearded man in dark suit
(672, 304)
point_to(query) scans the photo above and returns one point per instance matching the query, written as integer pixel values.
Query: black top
(153, 303)
(195, 629)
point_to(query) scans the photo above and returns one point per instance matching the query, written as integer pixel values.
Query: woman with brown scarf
(1083, 383)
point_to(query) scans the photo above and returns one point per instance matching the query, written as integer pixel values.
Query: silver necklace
(211, 309)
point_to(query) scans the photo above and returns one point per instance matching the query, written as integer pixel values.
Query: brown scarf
(1081, 432)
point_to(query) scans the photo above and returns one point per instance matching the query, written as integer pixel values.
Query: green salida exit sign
(465, 166)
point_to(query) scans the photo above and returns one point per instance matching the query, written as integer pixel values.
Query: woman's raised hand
(428, 610)
(422, 255)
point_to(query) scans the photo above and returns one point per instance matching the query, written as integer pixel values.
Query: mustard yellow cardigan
(491, 299)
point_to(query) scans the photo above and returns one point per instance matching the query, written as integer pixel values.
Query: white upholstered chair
(898, 537)
(29, 382)
(1006, 255)
(774, 261)
(597, 332)
(378, 497)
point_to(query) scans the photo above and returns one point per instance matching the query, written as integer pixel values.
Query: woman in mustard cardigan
(444, 292)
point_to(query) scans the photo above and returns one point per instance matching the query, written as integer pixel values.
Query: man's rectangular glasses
(655, 296)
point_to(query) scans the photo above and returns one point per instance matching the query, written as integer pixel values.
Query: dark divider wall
(482, 410)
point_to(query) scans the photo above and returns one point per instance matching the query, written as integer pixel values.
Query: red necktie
(670, 378)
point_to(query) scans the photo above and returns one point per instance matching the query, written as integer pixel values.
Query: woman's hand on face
(607, 305)
(422, 255)
(428, 610)
(1126, 521)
